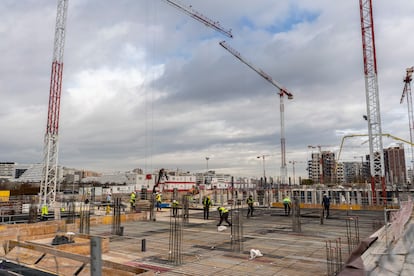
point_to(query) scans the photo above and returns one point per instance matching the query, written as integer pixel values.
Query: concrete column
(306, 195)
(201, 194)
(96, 256)
(314, 196)
(359, 199)
(369, 197)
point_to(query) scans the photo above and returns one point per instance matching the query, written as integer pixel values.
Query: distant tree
(307, 182)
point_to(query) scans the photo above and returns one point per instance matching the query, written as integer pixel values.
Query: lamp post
(264, 166)
(264, 176)
(293, 170)
(207, 158)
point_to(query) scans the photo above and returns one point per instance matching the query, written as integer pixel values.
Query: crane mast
(372, 99)
(282, 92)
(407, 92)
(200, 17)
(50, 150)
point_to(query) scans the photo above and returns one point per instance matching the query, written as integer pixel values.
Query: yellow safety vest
(286, 200)
(223, 210)
(45, 210)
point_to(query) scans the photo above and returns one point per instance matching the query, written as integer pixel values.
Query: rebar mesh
(175, 238)
(334, 256)
(116, 218)
(352, 233)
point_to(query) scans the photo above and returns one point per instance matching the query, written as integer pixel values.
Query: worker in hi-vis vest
(158, 200)
(287, 203)
(206, 206)
(132, 200)
(175, 207)
(224, 215)
(45, 212)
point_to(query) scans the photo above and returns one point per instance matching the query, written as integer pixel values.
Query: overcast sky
(147, 86)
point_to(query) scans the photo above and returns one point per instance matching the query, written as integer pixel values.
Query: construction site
(279, 229)
(122, 241)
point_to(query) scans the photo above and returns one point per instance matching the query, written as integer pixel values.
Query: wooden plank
(73, 256)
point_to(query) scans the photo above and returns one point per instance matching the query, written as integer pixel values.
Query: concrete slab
(208, 252)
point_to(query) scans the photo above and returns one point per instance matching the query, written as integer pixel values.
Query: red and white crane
(407, 93)
(50, 151)
(282, 92)
(200, 17)
(376, 153)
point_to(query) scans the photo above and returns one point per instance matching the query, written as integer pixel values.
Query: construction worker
(287, 204)
(326, 202)
(206, 206)
(249, 202)
(175, 207)
(45, 212)
(158, 200)
(108, 197)
(224, 215)
(132, 200)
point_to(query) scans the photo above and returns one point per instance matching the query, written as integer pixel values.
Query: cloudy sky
(147, 86)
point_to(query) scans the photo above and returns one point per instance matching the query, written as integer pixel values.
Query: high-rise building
(328, 167)
(314, 168)
(395, 169)
(340, 173)
(7, 170)
(321, 168)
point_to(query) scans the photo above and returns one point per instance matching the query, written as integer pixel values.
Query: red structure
(372, 99)
(50, 150)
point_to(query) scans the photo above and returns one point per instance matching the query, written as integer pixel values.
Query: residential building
(7, 170)
(314, 168)
(395, 169)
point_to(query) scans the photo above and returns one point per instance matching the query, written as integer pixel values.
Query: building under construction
(117, 237)
(366, 229)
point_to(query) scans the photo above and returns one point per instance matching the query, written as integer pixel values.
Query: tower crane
(407, 92)
(282, 92)
(200, 17)
(372, 99)
(50, 151)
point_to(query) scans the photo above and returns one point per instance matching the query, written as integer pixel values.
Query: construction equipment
(372, 99)
(50, 151)
(364, 135)
(200, 17)
(407, 92)
(282, 92)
